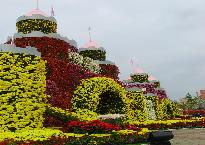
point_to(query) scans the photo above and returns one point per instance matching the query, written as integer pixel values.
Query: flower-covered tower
(146, 83)
(37, 29)
(36, 20)
(93, 50)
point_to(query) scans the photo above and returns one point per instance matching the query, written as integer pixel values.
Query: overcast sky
(166, 38)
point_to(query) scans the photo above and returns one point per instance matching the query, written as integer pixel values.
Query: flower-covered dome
(93, 50)
(36, 20)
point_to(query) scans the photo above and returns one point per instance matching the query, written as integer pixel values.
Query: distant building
(202, 94)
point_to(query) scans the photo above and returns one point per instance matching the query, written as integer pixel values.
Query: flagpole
(52, 12)
(37, 4)
(90, 34)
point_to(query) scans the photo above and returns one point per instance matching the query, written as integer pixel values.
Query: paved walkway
(189, 137)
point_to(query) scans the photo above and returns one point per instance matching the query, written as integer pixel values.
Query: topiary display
(136, 105)
(169, 108)
(100, 94)
(22, 87)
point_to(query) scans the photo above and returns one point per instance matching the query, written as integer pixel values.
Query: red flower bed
(132, 127)
(95, 126)
(192, 112)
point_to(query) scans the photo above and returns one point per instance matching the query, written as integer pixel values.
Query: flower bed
(171, 124)
(53, 137)
(192, 112)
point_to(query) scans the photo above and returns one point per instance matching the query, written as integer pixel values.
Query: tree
(192, 103)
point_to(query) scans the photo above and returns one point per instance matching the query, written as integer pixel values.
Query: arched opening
(110, 103)
(100, 94)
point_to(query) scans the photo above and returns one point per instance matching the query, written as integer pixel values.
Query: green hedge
(94, 54)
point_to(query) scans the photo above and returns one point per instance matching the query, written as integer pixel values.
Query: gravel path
(188, 137)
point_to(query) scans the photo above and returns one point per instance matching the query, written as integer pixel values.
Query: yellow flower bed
(45, 134)
(34, 135)
(165, 122)
(126, 132)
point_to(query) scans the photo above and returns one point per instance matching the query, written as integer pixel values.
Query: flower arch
(89, 94)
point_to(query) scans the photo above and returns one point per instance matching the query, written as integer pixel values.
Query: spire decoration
(52, 12)
(36, 4)
(89, 29)
(134, 64)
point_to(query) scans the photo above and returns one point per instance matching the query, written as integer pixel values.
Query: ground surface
(188, 137)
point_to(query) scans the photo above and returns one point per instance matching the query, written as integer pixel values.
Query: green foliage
(139, 77)
(67, 115)
(94, 54)
(169, 108)
(61, 114)
(156, 83)
(191, 103)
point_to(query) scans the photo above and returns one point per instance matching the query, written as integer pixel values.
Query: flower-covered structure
(101, 95)
(66, 83)
(98, 53)
(39, 30)
(142, 81)
(22, 87)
